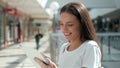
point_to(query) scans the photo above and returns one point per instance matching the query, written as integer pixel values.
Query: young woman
(82, 50)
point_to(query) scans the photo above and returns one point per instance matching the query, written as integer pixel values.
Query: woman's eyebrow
(69, 22)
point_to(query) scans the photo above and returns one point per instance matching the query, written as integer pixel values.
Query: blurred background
(21, 19)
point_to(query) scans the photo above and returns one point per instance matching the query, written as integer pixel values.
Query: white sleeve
(92, 57)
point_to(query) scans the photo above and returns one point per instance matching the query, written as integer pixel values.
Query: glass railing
(110, 45)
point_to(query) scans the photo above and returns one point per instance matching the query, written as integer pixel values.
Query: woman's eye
(70, 24)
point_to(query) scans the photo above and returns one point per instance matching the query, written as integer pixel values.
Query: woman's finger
(37, 60)
(40, 62)
(52, 64)
(43, 65)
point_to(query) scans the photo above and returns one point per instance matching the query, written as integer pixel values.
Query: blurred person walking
(38, 36)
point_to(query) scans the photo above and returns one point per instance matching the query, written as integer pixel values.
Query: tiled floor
(14, 56)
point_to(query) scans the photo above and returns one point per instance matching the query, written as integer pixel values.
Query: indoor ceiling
(97, 7)
(36, 10)
(90, 3)
(30, 8)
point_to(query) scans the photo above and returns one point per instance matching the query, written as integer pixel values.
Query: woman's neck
(74, 45)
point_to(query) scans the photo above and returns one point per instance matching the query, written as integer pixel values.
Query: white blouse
(87, 55)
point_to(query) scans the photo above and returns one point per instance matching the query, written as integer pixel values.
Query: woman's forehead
(67, 17)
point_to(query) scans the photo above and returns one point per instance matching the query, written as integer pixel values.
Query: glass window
(1, 29)
(11, 27)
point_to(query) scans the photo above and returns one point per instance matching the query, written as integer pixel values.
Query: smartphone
(43, 58)
(32, 53)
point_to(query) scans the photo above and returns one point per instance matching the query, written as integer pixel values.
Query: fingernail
(35, 58)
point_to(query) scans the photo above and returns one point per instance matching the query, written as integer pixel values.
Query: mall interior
(21, 19)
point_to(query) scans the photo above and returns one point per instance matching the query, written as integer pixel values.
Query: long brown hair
(81, 13)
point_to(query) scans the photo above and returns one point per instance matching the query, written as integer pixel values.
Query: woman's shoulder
(92, 46)
(91, 43)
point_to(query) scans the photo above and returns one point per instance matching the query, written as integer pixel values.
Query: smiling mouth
(67, 34)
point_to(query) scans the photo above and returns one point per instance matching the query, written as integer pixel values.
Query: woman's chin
(68, 38)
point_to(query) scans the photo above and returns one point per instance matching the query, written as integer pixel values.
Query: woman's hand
(43, 65)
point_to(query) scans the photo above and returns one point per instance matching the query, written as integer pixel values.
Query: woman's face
(70, 26)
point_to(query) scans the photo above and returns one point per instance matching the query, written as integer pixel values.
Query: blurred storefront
(8, 28)
(13, 27)
(109, 22)
(1, 27)
(16, 20)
